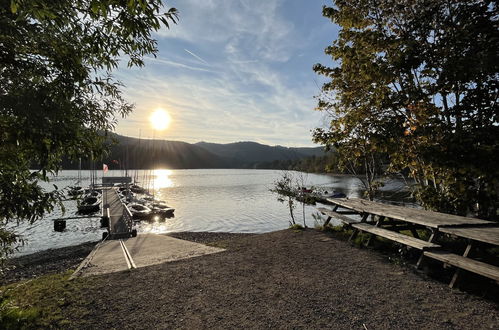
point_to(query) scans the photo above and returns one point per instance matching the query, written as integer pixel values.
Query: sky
(233, 70)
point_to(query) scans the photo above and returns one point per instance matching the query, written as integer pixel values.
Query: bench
(332, 214)
(465, 263)
(396, 237)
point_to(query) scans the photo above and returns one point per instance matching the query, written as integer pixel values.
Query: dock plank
(117, 224)
(394, 236)
(468, 264)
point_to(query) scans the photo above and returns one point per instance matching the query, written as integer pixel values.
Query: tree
(57, 94)
(290, 188)
(419, 80)
(286, 193)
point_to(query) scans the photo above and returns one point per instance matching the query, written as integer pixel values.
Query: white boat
(75, 191)
(139, 211)
(162, 209)
(89, 204)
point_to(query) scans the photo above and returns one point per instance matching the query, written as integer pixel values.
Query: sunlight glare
(162, 179)
(160, 119)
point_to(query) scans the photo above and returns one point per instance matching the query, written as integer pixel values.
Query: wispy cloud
(196, 56)
(176, 64)
(253, 80)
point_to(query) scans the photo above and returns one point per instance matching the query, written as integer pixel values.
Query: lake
(220, 200)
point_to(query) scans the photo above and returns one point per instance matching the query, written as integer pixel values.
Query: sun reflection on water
(162, 179)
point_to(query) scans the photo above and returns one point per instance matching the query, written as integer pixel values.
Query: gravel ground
(207, 237)
(285, 279)
(44, 262)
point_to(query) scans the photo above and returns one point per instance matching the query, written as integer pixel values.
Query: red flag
(104, 168)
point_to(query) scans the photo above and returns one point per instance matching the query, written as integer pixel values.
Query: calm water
(204, 200)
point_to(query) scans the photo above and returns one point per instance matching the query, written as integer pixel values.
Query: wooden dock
(120, 222)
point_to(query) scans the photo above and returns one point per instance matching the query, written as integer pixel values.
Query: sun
(160, 119)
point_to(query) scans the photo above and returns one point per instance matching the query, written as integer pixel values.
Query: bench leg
(378, 223)
(354, 234)
(329, 218)
(432, 238)
(455, 278)
(356, 231)
(414, 232)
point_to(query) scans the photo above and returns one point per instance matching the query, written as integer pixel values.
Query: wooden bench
(465, 263)
(332, 214)
(396, 237)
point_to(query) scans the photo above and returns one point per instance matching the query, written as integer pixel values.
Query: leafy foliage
(57, 92)
(286, 193)
(418, 81)
(290, 189)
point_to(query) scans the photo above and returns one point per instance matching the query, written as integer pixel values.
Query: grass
(296, 227)
(40, 303)
(219, 244)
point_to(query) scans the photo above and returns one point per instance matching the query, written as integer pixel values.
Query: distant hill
(142, 153)
(252, 152)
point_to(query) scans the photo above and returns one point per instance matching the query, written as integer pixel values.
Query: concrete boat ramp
(122, 249)
(144, 250)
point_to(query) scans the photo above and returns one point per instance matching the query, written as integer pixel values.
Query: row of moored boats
(141, 204)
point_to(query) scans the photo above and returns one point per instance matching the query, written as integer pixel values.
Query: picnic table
(388, 220)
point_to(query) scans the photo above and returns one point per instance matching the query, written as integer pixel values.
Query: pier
(121, 249)
(116, 216)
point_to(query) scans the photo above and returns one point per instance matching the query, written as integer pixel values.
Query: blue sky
(233, 70)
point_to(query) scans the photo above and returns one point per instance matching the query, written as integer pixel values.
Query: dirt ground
(285, 279)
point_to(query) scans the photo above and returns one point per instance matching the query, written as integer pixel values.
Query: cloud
(253, 82)
(258, 27)
(196, 56)
(176, 64)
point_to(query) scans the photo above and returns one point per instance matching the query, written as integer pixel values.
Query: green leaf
(13, 6)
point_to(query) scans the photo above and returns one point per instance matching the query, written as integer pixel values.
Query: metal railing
(128, 218)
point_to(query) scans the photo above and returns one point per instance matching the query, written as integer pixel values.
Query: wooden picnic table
(407, 214)
(475, 230)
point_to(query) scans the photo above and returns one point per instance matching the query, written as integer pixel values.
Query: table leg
(458, 271)
(414, 231)
(378, 223)
(329, 218)
(356, 231)
(433, 237)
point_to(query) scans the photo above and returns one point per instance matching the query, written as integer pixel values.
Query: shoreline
(59, 260)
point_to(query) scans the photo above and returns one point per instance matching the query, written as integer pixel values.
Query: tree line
(415, 84)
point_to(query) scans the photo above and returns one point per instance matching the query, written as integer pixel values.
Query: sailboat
(76, 189)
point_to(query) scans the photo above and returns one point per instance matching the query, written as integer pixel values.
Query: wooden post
(378, 223)
(458, 271)
(414, 231)
(356, 231)
(433, 237)
(329, 218)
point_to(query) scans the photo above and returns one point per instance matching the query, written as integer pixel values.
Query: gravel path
(285, 279)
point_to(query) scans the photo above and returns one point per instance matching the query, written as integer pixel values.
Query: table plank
(418, 216)
(482, 234)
